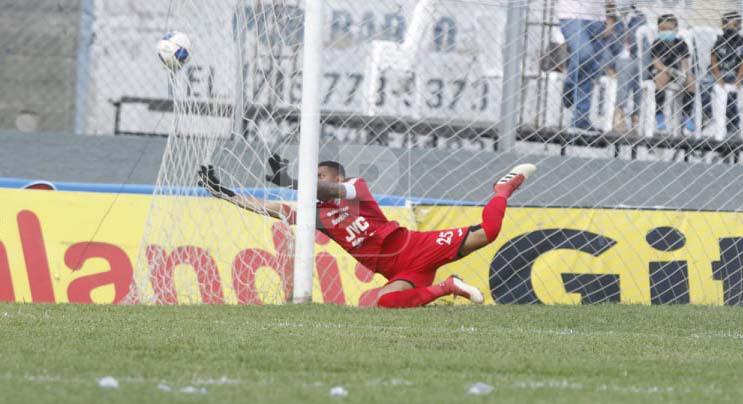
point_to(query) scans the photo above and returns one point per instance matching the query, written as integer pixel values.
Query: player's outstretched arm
(325, 190)
(330, 190)
(280, 175)
(209, 180)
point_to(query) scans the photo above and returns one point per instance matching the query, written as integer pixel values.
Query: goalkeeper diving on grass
(348, 214)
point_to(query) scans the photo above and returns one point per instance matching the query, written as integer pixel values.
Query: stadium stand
(709, 141)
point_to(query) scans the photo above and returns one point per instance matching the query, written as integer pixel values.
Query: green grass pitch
(284, 354)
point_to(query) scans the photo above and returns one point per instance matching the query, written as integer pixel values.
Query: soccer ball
(174, 49)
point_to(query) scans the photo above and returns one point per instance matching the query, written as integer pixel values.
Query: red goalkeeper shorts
(414, 256)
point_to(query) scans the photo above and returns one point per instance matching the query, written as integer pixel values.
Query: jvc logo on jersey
(355, 230)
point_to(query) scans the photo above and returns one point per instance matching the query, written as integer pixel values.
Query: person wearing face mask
(726, 63)
(671, 65)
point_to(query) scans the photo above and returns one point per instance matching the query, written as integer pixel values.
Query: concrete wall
(38, 53)
(76, 158)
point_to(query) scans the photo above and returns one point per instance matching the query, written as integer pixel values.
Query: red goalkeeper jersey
(357, 224)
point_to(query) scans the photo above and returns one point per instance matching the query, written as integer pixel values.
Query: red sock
(492, 216)
(412, 297)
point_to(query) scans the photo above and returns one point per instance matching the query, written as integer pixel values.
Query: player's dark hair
(334, 164)
(668, 18)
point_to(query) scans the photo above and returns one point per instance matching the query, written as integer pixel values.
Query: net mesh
(630, 111)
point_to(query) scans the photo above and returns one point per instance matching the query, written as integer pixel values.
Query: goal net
(630, 111)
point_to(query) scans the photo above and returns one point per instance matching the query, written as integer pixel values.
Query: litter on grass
(480, 389)
(338, 391)
(108, 382)
(185, 390)
(193, 390)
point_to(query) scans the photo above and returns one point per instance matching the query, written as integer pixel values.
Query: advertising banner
(459, 45)
(84, 247)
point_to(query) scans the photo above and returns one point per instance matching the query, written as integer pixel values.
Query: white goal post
(309, 143)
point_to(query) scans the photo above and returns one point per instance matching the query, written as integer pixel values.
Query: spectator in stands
(671, 70)
(628, 73)
(726, 64)
(612, 40)
(582, 25)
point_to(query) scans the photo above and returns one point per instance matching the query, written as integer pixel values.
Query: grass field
(605, 353)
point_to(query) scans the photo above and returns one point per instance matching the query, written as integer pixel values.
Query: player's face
(328, 174)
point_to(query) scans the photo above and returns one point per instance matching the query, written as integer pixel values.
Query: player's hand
(280, 168)
(208, 180)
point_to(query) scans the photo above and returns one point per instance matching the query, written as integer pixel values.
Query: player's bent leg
(495, 210)
(401, 294)
(492, 217)
(476, 239)
(395, 286)
(481, 235)
(458, 287)
(513, 180)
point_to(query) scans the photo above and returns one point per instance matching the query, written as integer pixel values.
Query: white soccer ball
(174, 49)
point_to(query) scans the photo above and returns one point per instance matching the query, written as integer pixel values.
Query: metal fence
(89, 67)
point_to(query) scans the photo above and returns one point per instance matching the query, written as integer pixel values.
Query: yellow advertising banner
(84, 248)
(573, 256)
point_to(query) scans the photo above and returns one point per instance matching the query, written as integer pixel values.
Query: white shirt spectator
(594, 10)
